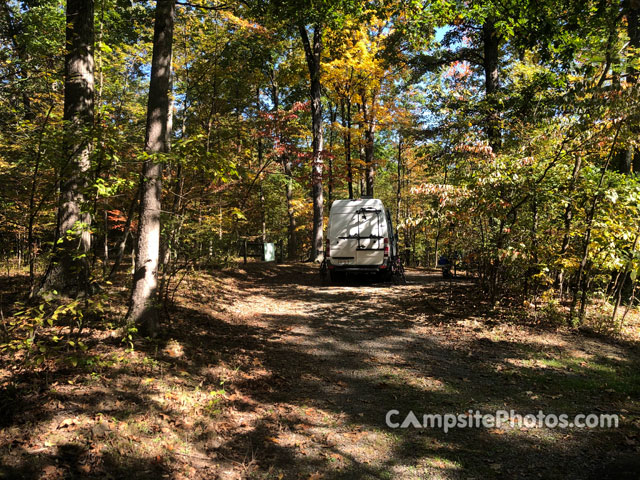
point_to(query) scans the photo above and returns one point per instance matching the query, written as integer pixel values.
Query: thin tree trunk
(33, 209)
(263, 215)
(620, 288)
(490, 64)
(19, 251)
(14, 32)
(619, 296)
(68, 271)
(333, 113)
(292, 245)
(345, 109)
(632, 7)
(105, 249)
(587, 238)
(629, 305)
(313, 52)
(399, 184)
(260, 153)
(368, 114)
(568, 218)
(143, 310)
(533, 267)
(125, 235)
(287, 166)
(361, 153)
(633, 30)
(491, 53)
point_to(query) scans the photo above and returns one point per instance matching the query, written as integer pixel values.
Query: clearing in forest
(267, 373)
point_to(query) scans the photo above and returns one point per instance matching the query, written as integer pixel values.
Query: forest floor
(263, 372)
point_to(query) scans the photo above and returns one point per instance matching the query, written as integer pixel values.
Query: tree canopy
(502, 133)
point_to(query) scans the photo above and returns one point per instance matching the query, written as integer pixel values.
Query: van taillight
(386, 247)
(327, 252)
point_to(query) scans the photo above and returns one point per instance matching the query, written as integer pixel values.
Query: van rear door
(343, 236)
(370, 250)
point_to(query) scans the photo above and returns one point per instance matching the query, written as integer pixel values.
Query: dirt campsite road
(267, 373)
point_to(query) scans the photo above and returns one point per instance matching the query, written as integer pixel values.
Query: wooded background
(503, 133)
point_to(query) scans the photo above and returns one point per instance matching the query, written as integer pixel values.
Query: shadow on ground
(308, 373)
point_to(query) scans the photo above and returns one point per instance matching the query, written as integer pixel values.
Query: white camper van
(360, 238)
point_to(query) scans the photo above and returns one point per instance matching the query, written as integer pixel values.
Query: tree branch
(203, 7)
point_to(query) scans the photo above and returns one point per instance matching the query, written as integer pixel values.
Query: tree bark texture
(490, 63)
(313, 52)
(68, 271)
(143, 310)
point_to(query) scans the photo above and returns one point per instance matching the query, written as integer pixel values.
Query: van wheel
(324, 272)
(384, 276)
(337, 277)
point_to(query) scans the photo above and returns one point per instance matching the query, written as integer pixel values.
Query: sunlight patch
(174, 349)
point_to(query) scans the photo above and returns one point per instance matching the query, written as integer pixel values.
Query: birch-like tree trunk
(143, 310)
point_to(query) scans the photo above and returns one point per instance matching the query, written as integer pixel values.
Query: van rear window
(353, 224)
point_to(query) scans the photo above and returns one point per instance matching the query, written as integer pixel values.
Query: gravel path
(341, 356)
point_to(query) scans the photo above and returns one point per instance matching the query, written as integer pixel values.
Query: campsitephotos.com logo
(499, 419)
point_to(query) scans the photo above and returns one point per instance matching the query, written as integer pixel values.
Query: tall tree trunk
(263, 214)
(33, 208)
(629, 158)
(313, 53)
(68, 271)
(105, 243)
(292, 245)
(345, 115)
(490, 63)
(287, 166)
(399, 184)
(14, 30)
(361, 151)
(260, 153)
(333, 114)
(529, 280)
(368, 115)
(632, 8)
(491, 54)
(143, 311)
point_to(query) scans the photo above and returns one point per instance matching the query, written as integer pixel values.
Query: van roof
(348, 206)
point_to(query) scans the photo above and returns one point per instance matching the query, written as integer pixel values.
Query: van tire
(337, 277)
(384, 275)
